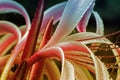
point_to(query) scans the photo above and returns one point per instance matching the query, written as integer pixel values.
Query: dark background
(109, 11)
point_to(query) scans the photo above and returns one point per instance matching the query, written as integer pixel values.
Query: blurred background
(109, 11)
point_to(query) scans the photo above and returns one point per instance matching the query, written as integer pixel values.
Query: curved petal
(89, 37)
(78, 57)
(82, 36)
(99, 23)
(68, 72)
(45, 38)
(6, 43)
(52, 52)
(55, 12)
(82, 73)
(90, 67)
(11, 60)
(55, 52)
(8, 27)
(101, 70)
(3, 60)
(52, 70)
(81, 27)
(12, 6)
(74, 11)
(9, 5)
(72, 46)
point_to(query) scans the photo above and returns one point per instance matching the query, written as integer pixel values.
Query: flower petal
(52, 70)
(78, 57)
(12, 58)
(3, 60)
(52, 52)
(55, 12)
(73, 13)
(55, 52)
(72, 46)
(8, 27)
(82, 73)
(84, 36)
(6, 43)
(47, 33)
(101, 70)
(12, 6)
(68, 71)
(36, 67)
(99, 23)
(81, 27)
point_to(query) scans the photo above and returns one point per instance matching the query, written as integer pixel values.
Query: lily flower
(37, 51)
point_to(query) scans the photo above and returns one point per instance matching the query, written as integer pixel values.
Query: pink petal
(12, 6)
(10, 62)
(73, 13)
(54, 52)
(72, 46)
(45, 38)
(6, 42)
(55, 12)
(82, 25)
(3, 60)
(7, 27)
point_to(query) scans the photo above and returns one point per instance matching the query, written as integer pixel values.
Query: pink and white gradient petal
(69, 19)
(82, 25)
(56, 12)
